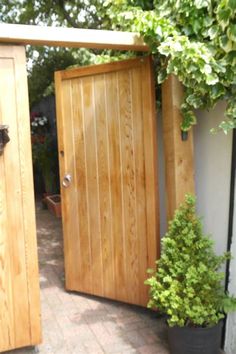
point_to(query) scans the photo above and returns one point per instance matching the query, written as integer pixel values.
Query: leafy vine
(194, 40)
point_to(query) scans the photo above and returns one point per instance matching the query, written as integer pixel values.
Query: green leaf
(189, 118)
(212, 31)
(207, 69)
(226, 44)
(232, 4)
(194, 101)
(217, 91)
(201, 3)
(164, 49)
(224, 16)
(231, 32)
(162, 76)
(212, 79)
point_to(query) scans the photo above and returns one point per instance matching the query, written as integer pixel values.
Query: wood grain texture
(116, 185)
(19, 281)
(113, 237)
(150, 161)
(71, 37)
(100, 69)
(179, 160)
(84, 256)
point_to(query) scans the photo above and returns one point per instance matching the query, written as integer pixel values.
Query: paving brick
(74, 323)
(150, 336)
(153, 349)
(101, 333)
(135, 339)
(118, 347)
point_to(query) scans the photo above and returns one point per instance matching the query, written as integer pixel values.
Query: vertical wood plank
(84, 255)
(129, 183)
(7, 338)
(150, 158)
(179, 161)
(6, 314)
(106, 248)
(28, 205)
(68, 202)
(69, 195)
(7, 332)
(138, 132)
(92, 181)
(115, 162)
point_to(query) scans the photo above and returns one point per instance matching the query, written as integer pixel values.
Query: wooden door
(107, 145)
(19, 281)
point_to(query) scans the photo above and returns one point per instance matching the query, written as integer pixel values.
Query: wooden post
(179, 161)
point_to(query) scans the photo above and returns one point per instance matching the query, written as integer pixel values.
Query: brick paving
(78, 324)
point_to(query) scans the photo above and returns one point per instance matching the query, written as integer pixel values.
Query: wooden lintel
(71, 37)
(179, 160)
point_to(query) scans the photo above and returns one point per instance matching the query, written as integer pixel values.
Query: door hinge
(4, 138)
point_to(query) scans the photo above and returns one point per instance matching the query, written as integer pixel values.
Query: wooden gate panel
(19, 282)
(106, 130)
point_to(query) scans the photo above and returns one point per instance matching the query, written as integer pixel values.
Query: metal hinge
(4, 138)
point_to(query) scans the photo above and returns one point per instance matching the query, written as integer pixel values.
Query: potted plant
(54, 204)
(187, 285)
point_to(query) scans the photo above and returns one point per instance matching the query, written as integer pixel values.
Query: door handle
(66, 180)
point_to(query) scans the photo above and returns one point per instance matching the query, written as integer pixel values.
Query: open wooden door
(107, 148)
(19, 281)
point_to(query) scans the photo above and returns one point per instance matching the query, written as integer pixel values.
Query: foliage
(43, 61)
(71, 13)
(45, 159)
(47, 60)
(38, 123)
(187, 285)
(195, 40)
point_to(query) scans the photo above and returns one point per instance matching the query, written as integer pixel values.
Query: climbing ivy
(195, 40)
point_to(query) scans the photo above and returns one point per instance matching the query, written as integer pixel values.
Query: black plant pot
(194, 340)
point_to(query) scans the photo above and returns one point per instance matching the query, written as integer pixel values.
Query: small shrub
(187, 284)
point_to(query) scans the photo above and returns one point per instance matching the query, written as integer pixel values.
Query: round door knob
(66, 181)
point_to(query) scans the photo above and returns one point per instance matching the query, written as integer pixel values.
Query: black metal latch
(4, 138)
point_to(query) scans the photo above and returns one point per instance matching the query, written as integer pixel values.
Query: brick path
(78, 324)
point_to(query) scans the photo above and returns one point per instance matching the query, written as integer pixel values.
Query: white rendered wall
(212, 175)
(213, 172)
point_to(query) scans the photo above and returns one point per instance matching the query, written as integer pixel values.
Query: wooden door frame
(179, 160)
(71, 37)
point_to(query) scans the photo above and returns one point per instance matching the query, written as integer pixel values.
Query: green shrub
(187, 285)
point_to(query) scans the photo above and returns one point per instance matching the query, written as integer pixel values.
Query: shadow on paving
(74, 323)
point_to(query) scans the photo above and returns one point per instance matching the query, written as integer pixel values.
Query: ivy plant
(194, 40)
(187, 285)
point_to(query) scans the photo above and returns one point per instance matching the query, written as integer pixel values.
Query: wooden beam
(71, 37)
(179, 160)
